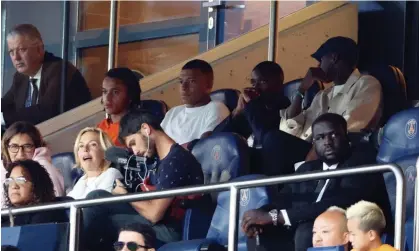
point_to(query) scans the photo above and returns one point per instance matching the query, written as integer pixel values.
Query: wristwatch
(298, 93)
(274, 215)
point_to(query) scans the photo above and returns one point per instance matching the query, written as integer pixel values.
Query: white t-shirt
(184, 124)
(102, 182)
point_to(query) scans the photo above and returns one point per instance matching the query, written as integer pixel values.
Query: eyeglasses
(26, 148)
(18, 180)
(132, 246)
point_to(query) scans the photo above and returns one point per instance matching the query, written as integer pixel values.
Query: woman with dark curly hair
(27, 183)
(21, 141)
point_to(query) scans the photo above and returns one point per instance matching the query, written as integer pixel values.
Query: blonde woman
(89, 150)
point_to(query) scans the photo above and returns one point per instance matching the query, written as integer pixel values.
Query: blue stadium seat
(229, 97)
(223, 156)
(291, 87)
(393, 85)
(407, 164)
(400, 136)
(335, 248)
(45, 237)
(157, 107)
(217, 236)
(65, 163)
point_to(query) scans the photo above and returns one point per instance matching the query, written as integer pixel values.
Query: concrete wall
(299, 36)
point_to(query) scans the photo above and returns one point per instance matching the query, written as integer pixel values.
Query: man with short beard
(142, 133)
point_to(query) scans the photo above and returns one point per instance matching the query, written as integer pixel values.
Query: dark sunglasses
(132, 246)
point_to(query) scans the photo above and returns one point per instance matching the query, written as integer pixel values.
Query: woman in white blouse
(89, 150)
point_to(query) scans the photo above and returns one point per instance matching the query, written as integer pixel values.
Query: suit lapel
(22, 91)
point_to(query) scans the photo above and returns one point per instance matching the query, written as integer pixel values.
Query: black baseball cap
(346, 48)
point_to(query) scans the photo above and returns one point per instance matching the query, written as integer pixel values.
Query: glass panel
(255, 14)
(95, 14)
(147, 57)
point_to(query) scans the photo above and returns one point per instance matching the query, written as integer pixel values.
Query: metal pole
(400, 210)
(77, 28)
(416, 213)
(74, 228)
(272, 30)
(400, 192)
(233, 220)
(113, 34)
(64, 56)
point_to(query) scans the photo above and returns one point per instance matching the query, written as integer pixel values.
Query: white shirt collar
(38, 74)
(332, 167)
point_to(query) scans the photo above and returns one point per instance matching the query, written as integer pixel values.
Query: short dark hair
(132, 121)
(146, 231)
(199, 64)
(333, 118)
(131, 81)
(20, 127)
(43, 189)
(270, 69)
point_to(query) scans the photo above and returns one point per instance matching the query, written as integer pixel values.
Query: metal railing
(234, 188)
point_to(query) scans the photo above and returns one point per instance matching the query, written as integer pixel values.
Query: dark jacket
(76, 93)
(299, 199)
(258, 118)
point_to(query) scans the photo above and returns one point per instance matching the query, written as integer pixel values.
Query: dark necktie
(319, 187)
(34, 91)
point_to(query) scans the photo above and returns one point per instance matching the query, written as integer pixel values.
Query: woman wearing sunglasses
(22, 141)
(136, 237)
(27, 183)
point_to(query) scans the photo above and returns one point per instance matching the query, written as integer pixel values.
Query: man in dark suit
(36, 89)
(299, 204)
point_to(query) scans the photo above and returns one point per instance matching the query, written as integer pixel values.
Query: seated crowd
(279, 132)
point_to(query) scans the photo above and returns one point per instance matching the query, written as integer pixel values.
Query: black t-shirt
(178, 169)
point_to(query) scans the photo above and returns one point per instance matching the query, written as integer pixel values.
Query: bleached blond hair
(369, 214)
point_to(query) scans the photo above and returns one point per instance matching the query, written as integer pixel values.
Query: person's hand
(253, 220)
(250, 93)
(119, 188)
(253, 231)
(313, 74)
(241, 103)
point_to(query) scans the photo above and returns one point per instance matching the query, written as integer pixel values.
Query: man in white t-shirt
(198, 116)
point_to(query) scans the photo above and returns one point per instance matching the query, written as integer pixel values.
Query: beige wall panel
(232, 63)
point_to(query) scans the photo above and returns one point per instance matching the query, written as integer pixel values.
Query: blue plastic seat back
(400, 136)
(291, 87)
(229, 97)
(251, 198)
(65, 163)
(223, 156)
(334, 248)
(45, 237)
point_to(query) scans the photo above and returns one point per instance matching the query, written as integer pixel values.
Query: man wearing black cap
(357, 97)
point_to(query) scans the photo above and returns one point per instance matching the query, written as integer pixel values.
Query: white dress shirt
(38, 84)
(325, 168)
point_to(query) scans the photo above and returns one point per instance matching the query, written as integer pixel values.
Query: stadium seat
(400, 136)
(335, 248)
(65, 163)
(217, 236)
(157, 107)
(407, 164)
(45, 237)
(393, 86)
(291, 87)
(227, 96)
(223, 156)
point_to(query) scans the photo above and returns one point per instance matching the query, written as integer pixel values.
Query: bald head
(330, 228)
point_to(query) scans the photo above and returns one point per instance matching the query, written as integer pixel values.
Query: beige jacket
(359, 101)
